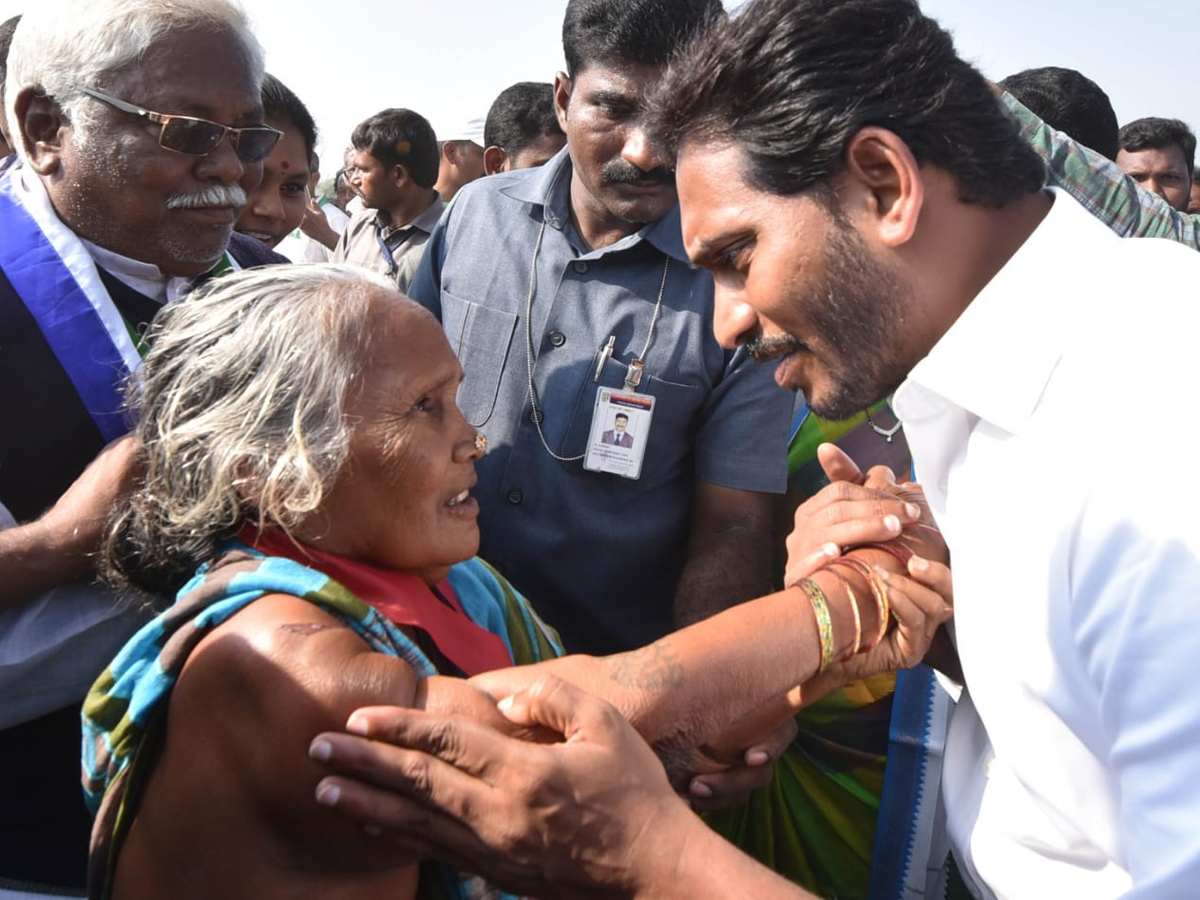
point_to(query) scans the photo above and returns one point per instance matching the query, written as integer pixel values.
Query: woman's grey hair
(242, 418)
(61, 46)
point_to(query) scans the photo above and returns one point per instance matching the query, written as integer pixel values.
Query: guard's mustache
(621, 171)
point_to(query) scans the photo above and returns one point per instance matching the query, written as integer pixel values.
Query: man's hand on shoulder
(60, 547)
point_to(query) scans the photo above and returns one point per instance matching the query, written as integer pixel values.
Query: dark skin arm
(728, 562)
(60, 547)
(277, 672)
(729, 551)
(690, 687)
(591, 816)
(694, 686)
(674, 689)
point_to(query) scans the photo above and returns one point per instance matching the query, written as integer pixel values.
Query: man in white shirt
(906, 247)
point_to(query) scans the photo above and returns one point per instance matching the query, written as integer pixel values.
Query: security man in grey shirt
(568, 297)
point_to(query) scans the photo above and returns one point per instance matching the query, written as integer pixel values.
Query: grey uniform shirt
(371, 240)
(598, 555)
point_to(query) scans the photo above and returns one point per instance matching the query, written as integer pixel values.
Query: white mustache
(217, 195)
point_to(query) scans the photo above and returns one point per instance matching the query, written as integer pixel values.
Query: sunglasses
(199, 137)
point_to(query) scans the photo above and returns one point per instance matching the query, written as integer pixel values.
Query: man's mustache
(621, 171)
(764, 348)
(215, 195)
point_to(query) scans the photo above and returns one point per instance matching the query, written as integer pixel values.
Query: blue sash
(95, 359)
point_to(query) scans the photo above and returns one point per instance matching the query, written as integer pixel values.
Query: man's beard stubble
(854, 312)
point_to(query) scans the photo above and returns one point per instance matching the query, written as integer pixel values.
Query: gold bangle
(883, 601)
(876, 586)
(857, 615)
(820, 608)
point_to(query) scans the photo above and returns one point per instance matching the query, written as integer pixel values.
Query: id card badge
(619, 433)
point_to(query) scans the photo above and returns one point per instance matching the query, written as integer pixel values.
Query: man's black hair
(792, 81)
(400, 137)
(624, 416)
(1153, 133)
(520, 115)
(1070, 102)
(280, 102)
(612, 32)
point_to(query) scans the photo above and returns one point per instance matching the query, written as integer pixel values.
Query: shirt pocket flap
(481, 338)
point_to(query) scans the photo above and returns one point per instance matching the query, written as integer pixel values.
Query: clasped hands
(461, 791)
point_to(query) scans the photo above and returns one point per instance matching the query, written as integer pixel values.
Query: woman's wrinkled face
(401, 501)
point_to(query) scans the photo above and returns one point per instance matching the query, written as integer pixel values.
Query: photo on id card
(619, 433)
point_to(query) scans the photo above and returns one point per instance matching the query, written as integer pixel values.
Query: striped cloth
(1101, 186)
(815, 823)
(124, 713)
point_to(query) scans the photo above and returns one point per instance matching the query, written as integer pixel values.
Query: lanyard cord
(392, 267)
(533, 402)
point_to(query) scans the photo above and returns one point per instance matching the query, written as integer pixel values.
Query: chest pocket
(481, 337)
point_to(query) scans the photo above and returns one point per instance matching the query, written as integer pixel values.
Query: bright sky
(348, 59)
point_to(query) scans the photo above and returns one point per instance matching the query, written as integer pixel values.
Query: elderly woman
(307, 493)
(302, 442)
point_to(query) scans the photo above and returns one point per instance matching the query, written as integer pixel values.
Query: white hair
(62, 46)
(242, 411)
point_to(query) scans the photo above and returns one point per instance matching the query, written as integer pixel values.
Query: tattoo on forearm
(651, 668)
(307, 628)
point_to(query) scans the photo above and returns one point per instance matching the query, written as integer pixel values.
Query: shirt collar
(997, 358)
(145, 278)
(425, 221)
(549, 189)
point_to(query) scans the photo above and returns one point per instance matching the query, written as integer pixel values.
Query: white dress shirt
(1054, 428)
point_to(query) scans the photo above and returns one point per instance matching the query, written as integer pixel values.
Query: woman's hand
(752, 771)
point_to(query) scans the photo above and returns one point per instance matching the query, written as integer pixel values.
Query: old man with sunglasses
(140, 131)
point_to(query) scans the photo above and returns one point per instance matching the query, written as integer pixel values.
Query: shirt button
(557, 338)
(536, 417)
(580, 266)
(515, 497)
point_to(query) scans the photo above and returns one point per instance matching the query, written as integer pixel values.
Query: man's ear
(562, 98)
(880, 164)
(400, 175)
(40, 128)
(493, 160)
